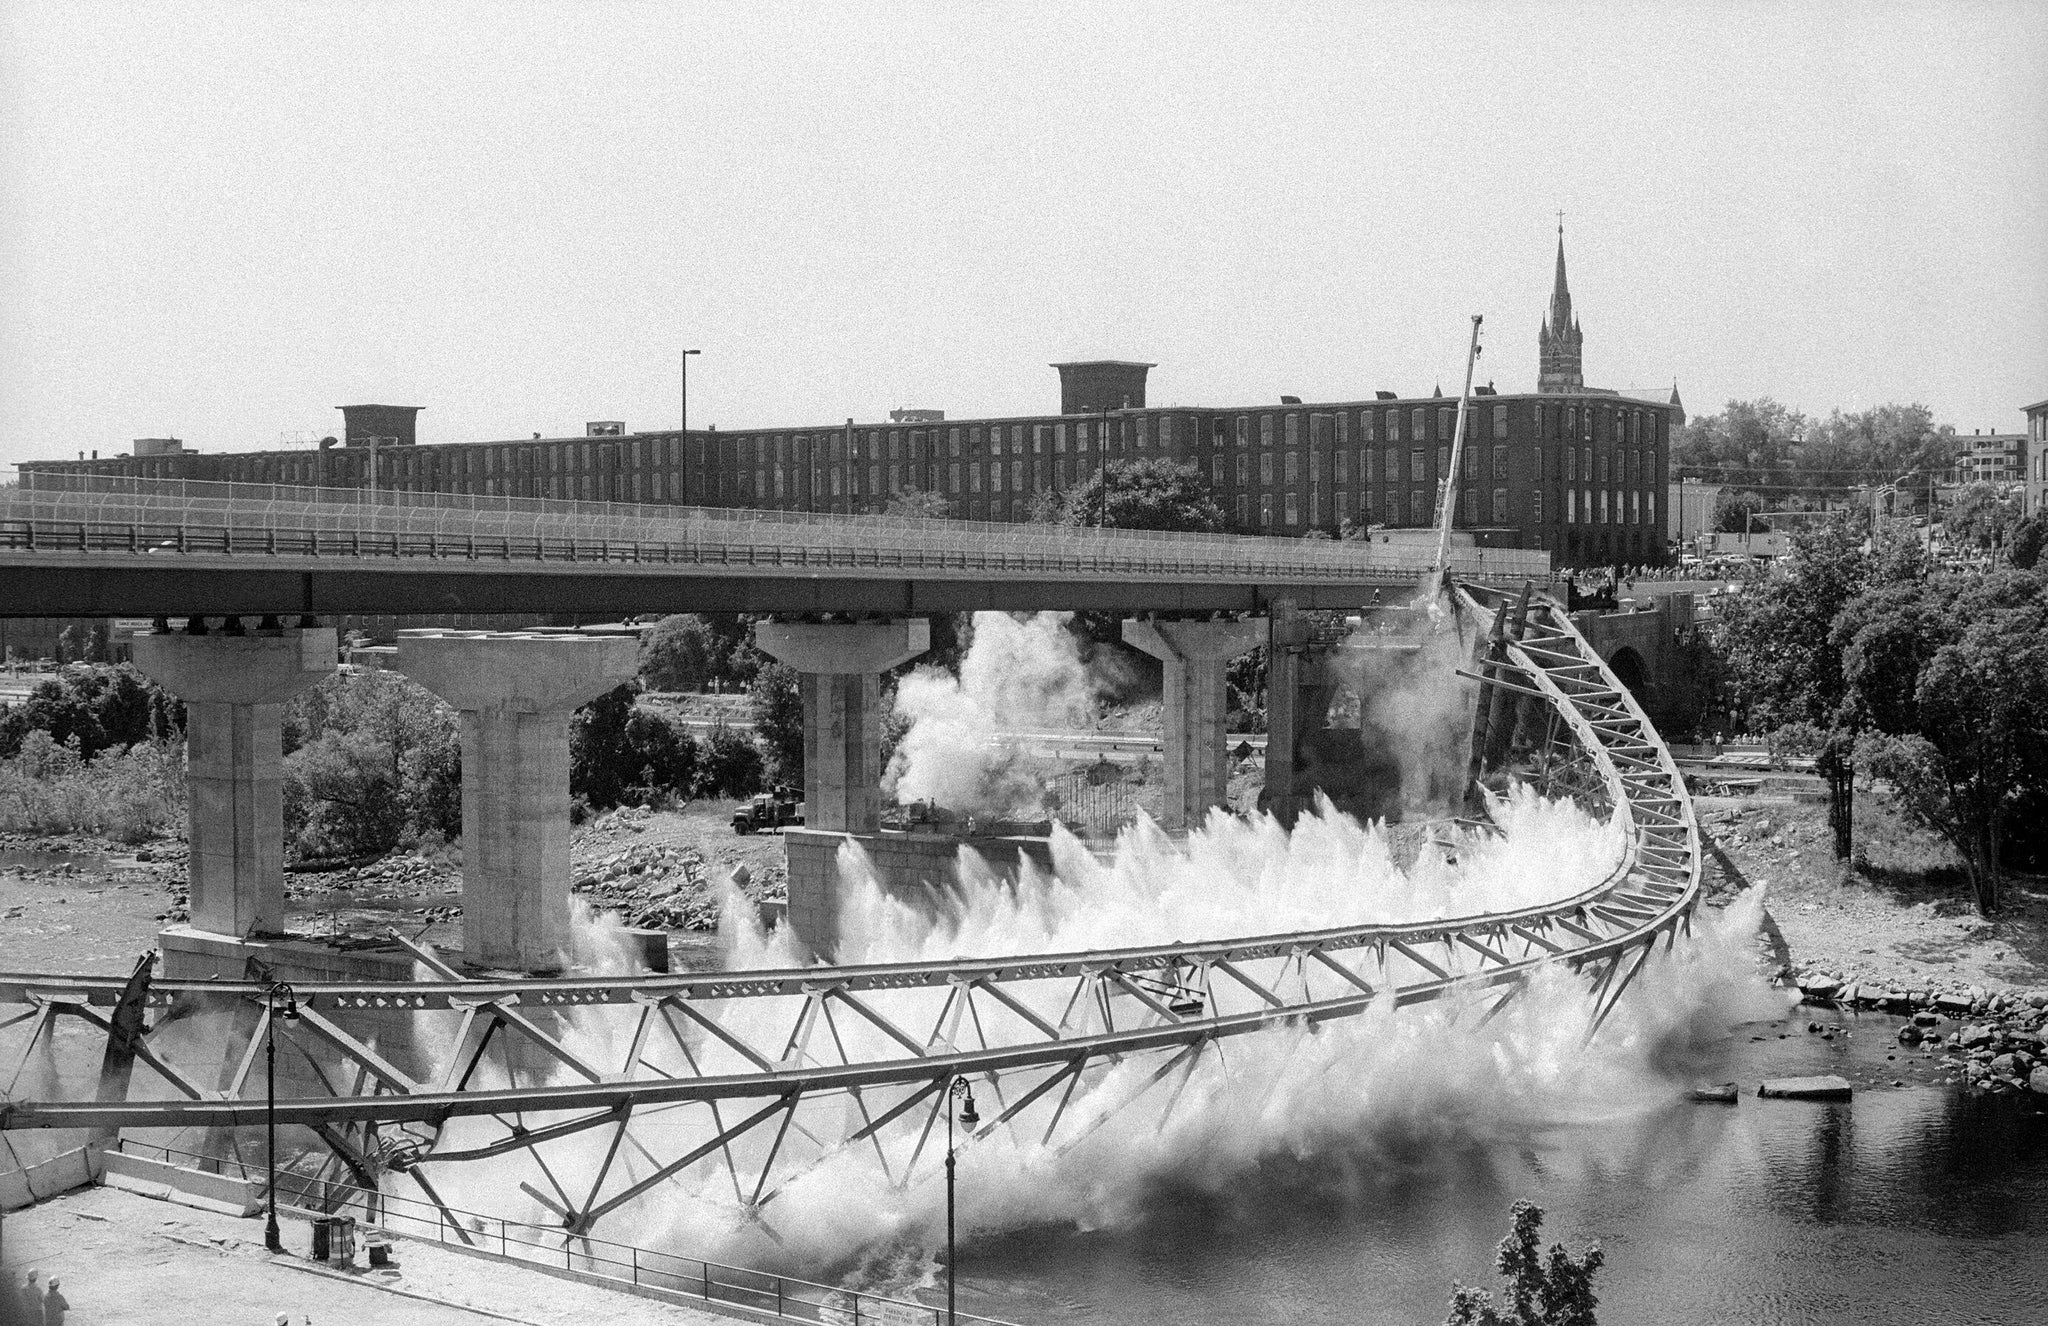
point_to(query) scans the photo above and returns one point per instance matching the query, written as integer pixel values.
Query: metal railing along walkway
(628, 1267)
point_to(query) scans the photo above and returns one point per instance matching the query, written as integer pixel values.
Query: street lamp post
(686, 392)
(957, 1088)
(280, 1003)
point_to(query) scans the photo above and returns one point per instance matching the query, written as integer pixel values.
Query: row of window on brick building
(1599, 465)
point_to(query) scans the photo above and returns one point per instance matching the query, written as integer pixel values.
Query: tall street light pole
(960, 1090)
(280, 1003)
(686, 391)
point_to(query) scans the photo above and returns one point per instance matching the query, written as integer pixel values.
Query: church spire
(1559, 366)
(1560, 293)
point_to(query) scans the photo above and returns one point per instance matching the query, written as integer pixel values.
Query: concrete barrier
(187, 1187)
(46, 1178)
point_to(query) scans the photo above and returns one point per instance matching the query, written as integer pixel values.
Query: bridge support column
(234, 683)
(1286, 643)
(839, 668)
(840, 665)
(1193, 656)
(516, 693)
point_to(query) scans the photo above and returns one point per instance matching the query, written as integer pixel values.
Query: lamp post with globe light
(282, 1003)
(957, 1089)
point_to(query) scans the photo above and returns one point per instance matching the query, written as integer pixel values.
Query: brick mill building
(1575, 470)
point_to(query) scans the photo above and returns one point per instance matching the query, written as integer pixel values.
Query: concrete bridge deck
(108, 547)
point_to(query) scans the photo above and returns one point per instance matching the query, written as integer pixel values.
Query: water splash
(1379, 1097)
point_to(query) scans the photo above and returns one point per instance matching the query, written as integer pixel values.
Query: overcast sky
(222, 220)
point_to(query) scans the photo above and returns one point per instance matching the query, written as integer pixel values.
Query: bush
(129, 794)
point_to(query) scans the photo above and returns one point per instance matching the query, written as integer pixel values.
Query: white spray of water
(1373, 1094)
(1019, 674)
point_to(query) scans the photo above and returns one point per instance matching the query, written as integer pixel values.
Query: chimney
(395, 423)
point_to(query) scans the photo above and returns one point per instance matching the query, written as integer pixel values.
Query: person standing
(55, 1305)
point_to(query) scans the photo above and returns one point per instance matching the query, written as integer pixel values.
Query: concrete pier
(1287, 644)
(1194, 655)
(234, 681)
(516, 693)
(840, 666)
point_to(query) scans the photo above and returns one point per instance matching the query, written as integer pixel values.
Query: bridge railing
(629, 1266)
(157, 515)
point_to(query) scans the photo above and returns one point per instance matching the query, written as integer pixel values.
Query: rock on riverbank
(1998, 1040)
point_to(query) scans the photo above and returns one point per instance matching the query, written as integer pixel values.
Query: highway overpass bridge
(98, 546)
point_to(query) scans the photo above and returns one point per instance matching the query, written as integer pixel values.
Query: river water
(1914, 1204)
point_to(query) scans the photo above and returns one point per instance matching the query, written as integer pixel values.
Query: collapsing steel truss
(733, 1086)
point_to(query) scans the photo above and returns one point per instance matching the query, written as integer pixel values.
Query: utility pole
(685, 430)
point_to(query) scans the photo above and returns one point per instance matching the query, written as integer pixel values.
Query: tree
(2027, 540)
(1556, 1293)
(1732, 511)
(1984, 516)
(1748, 444)
(1784, 659)
(1876, 446)
(1953, 674)
(1155, 493)
(919, 503)
(693, 650)
(370, 759)
(777, 707)
(96, 705)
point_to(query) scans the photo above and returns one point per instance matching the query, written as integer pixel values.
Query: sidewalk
(127, 1260)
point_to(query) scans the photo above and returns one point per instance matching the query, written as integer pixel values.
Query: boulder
(1828, 1087)
(2006, 1066)
(1926, 1019)
(1820, 989)
(2038, 1081)
(1909, 1035)
(1975, 1035)
(1954, 1005)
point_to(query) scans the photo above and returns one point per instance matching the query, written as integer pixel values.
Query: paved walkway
(127, 1260)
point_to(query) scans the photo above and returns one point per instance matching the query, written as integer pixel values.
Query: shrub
(129, 794)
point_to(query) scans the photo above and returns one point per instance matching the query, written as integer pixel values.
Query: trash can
(334, 1240)
(344, 1246)
(378, 1245)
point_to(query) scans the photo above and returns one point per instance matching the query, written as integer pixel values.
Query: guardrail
(99, 514)
(631, 1268)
